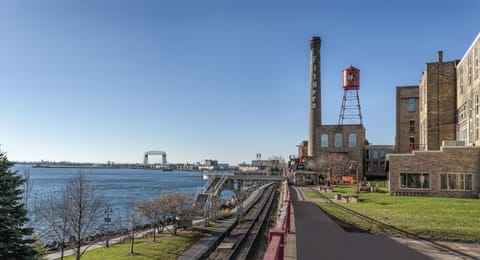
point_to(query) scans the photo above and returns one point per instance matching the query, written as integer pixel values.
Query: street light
(108, 220)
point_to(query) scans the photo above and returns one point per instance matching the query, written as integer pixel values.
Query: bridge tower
(163, 154)
(350, 112)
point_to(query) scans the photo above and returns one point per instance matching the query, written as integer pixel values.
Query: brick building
(407, 118)
(445, 161)
(375, 160)
(468, 91)
(303, 149)
(452, 171)
(348, 140)
(437, 104)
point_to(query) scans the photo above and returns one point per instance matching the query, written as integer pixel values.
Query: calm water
(119, 187)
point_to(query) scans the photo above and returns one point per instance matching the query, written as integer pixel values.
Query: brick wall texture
(447, 160)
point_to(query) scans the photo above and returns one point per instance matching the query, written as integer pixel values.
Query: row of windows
(462, 115)
(414, 181)
(448, 181)
(375, 154)
(472, 70)
(456, 181)
(352, 140)
(375, 166)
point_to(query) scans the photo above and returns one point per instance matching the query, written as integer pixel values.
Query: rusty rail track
(239, 242)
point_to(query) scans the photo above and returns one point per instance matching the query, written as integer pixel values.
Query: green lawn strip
(435, 218)
(338, 189)
(166, 247)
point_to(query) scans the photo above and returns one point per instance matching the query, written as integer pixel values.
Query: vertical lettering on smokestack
(315, 119)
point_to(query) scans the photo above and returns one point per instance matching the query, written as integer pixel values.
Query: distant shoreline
(96, 166)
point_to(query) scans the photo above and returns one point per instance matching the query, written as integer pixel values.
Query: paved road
(318, 237)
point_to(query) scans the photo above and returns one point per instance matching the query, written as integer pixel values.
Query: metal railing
(277, 236)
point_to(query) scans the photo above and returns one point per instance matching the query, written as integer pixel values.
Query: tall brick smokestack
(315, 119)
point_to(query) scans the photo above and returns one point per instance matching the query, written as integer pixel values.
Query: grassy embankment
(426, 217)
(166, 247)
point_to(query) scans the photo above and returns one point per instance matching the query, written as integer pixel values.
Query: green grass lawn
(330, 195)
(166, 247)
(429, 217)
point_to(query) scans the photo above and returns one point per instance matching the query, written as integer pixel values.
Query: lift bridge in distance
(149, 153)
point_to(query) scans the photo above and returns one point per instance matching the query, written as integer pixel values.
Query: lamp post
(108, 220)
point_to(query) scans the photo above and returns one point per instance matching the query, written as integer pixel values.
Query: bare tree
(134, 217)
(152, 212)
(53, 211)
(175, 207)
(83, 206)
(332, 163)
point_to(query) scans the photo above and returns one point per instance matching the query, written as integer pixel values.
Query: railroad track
(239, 242)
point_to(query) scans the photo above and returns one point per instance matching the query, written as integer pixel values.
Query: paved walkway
(318, 237)
(100, 244)
(438, 250)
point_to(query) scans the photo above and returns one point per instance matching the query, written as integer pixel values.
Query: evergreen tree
(13, 215)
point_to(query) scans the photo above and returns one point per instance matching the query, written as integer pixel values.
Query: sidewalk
(319, 237)
(113, 240)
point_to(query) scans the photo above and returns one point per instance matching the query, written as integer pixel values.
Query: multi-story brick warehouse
(437, 103)
(448, 110)
(407, 118)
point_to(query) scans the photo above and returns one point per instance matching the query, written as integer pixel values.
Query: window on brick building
(411, 104)
(414, 181)
(412, 126)
(338, 140)
(475, 54)
(455, 181)
(352, 140)
(460, 79)
(470, 69)
(324, 140)
(412, 140)
(382, 154)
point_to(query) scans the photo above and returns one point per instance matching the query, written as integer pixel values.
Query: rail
(278, 235)
(238, 243)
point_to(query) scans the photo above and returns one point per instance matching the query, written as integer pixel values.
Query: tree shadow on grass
(347, 226)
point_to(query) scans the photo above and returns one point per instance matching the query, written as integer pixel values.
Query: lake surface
(119, 187)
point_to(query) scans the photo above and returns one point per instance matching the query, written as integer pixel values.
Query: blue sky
(108, 80)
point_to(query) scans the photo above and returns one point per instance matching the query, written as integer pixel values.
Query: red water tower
(351, 78)
(351, 113)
